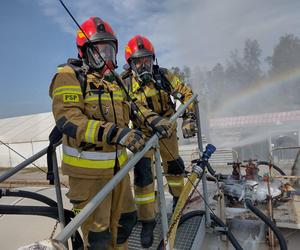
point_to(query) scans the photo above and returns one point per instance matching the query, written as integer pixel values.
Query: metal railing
(70, 228)
(280, 149)
(91, 206)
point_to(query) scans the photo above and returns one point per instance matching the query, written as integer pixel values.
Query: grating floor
(184, 237)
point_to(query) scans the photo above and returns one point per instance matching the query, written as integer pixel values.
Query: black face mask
(143, 67)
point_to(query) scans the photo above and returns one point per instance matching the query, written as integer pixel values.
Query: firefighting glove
(132, 139)
(162, 126)
(188, 127)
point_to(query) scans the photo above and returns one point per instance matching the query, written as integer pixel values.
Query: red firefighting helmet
(96, 30)
(138, 46)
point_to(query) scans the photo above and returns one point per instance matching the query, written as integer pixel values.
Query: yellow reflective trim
(84, 163)
(174, 183)
(117, 95)
(104, 98)
(135, 85)
(76, 210)
(145, 195)
(69, 89)
(151, 92)
(72, 87)
(122, 158)
(175, 81)
(91, 131)
(93, 164)
(67, 92)
(58, 69)
(145, 198)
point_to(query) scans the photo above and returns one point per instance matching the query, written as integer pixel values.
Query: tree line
(242, 72)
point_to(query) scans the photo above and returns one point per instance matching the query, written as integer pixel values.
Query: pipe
(34, 210)
(30, 195)
(50, 212)
(278, 169)
(267, 221)
(161, 195)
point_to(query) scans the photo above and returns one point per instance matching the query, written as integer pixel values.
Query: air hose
(268, 222)
(278, 169)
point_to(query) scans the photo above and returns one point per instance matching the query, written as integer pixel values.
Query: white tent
(26, 135)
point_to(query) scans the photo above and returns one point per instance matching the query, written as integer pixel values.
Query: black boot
(175, 200)
(99, 240)
(147, 233)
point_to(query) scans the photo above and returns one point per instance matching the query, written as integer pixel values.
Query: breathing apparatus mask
(143, 68)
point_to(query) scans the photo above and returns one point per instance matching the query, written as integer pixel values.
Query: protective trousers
(144, 181)
(144, 187)
(173, 165)
(103, 229)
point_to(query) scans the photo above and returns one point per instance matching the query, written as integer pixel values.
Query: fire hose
(198, 171)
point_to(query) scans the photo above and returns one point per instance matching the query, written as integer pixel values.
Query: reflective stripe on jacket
(93, 160)
(86, 151)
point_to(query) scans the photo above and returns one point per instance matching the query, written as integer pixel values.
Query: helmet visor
(107, 52)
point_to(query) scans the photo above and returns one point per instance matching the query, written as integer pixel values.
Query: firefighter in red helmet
(92, 113)
(153, 86)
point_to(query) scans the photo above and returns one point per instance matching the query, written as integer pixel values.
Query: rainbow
(262, 87)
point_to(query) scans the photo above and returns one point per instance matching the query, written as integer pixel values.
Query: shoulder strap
(161, 80)
(76, 65)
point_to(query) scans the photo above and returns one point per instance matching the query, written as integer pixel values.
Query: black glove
(162, 126)
(132, 139)
(189, 127)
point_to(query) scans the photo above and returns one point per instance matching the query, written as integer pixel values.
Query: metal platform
(184, 236)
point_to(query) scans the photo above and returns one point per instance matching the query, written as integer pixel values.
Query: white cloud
(191, 32)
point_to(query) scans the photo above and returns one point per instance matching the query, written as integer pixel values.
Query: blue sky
(37, 35)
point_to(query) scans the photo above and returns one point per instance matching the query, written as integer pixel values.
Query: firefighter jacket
(86, 121)
(157, 95)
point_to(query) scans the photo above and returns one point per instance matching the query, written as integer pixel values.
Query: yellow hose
(180, 204)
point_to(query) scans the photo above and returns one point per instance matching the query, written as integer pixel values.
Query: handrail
(99, 197)
(25, 163)
(280, 148)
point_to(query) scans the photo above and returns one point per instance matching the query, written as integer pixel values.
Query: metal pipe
(60, 204)
(205, 196)
(270, 211)
(22, 165)
(30, 195)
(199, 134)
(204, 184)
(161, 195)
(96, 200)
(281, 148)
